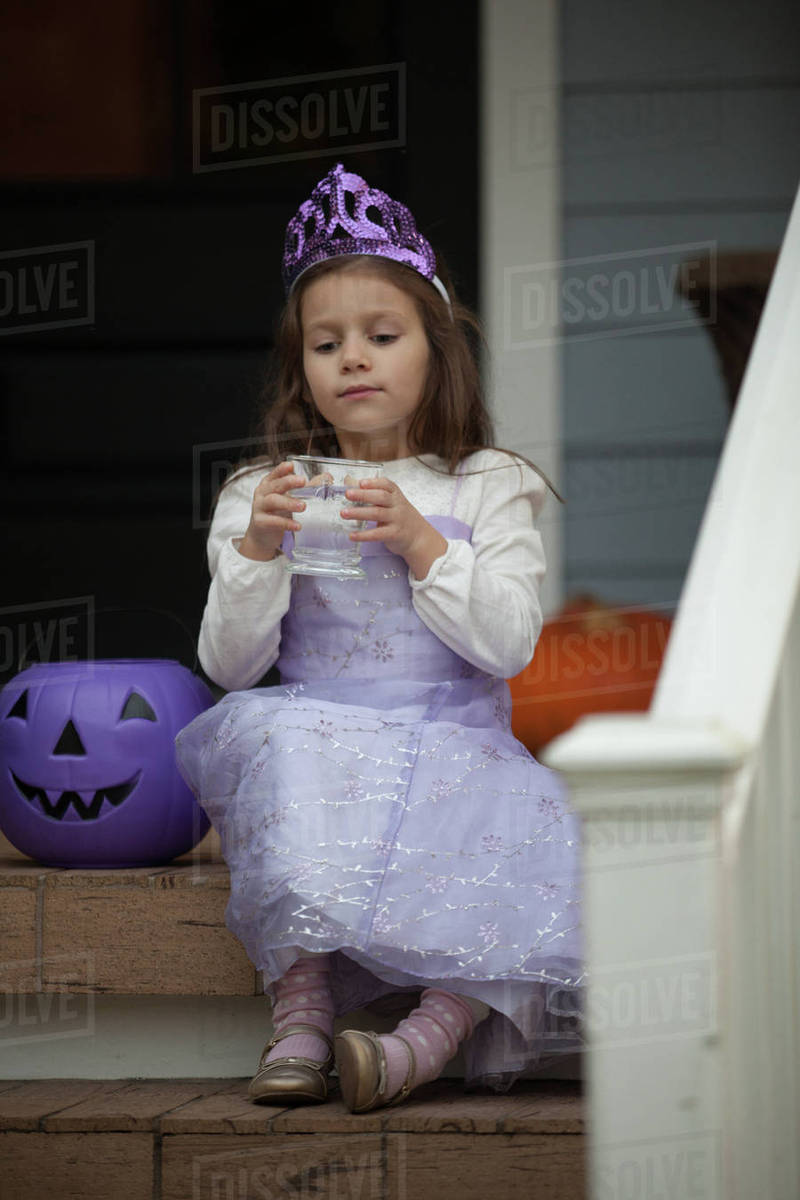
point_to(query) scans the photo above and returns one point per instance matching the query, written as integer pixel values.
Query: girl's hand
(401, 528)
(271, 513)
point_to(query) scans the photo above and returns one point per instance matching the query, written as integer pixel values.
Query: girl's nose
(354, 354)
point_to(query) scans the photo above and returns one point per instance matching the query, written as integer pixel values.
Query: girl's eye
(382, 339)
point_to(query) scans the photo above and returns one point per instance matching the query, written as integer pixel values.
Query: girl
(384, 830)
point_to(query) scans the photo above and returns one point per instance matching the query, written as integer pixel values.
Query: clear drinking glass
(322, 545)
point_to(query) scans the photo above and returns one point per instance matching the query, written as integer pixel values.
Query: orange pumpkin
(589, 658)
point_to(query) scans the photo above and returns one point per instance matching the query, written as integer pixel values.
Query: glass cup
(322, 545)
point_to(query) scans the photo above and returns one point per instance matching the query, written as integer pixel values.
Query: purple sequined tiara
(335, 221)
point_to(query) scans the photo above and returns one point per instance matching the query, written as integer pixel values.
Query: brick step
(200, 1139)
(109, 974)
(133, 931)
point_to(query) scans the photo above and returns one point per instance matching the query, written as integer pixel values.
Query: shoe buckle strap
(381, 1056)
(299, 1028)
(408, 1082)
(295, 1059)
(382, 1072)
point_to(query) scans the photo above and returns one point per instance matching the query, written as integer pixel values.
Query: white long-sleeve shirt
(481, 598)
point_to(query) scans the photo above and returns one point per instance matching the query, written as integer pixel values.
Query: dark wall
(104, 488)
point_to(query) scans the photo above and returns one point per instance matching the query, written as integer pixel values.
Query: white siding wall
(680, 124)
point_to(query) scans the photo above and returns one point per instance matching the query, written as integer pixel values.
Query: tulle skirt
(414, 838)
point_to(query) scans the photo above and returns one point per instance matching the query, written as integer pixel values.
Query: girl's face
(365, 357)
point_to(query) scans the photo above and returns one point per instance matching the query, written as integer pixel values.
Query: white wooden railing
(692, 837)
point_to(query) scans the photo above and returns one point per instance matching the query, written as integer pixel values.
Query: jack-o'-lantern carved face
(88, 764)
(75, 803)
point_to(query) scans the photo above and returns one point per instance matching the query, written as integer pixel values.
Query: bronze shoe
(291, 1080)
(361, 1063)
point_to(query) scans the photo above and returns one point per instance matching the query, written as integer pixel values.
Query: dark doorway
(106, 422)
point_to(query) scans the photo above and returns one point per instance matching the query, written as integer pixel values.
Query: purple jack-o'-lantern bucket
(88, 776)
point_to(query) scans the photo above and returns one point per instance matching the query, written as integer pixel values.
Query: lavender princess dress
(376, 805)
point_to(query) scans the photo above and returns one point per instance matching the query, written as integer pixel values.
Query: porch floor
(195, 1139)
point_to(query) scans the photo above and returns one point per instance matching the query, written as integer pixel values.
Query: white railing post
(710, 1110)
(650, 796)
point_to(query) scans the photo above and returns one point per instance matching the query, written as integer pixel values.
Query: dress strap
(460, 474)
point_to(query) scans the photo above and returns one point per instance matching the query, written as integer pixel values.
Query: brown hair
(452, 420)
